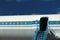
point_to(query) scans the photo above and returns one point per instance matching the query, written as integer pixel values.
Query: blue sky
(29, 7)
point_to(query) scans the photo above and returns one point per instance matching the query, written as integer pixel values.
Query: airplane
(24, 17)
(26, 25)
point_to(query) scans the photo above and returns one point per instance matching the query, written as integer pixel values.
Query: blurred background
(29, 7)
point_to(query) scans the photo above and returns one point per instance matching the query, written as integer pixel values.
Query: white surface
(55, 31)
(26, 31)
(54, 17)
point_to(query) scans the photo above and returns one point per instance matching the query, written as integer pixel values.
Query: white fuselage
(26, 30)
